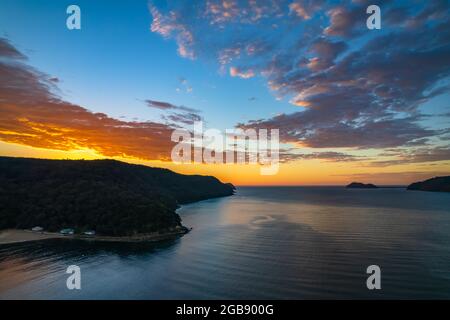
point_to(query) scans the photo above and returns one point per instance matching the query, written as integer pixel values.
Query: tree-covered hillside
(439, 184)
(111, 197)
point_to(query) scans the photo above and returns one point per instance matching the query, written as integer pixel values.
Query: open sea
(262, 243)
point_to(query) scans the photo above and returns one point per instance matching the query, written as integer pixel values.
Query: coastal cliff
(112, 197)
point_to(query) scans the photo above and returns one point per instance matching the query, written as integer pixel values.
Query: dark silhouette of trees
(438, 184)
(114, 198)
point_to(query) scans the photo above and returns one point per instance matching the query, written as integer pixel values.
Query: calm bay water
(262, 243)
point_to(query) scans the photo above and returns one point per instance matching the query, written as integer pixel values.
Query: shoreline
(11, 236)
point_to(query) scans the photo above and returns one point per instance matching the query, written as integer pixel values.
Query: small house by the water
(67, 231)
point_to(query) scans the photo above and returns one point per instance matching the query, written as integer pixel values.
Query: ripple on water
(280, 243)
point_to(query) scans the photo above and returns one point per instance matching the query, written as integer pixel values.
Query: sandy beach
(16, 236)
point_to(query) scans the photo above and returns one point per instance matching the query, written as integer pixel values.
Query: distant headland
(359, 185)
(100, 198)
(438, 184)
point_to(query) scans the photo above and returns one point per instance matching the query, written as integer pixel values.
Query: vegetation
(434, 184)
(111, 197)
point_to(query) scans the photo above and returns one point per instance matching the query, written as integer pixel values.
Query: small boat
(37, 229)
(89, 233)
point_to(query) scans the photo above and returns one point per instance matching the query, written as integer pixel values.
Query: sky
(351, 104)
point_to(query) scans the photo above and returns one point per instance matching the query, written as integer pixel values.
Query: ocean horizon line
(315, 185)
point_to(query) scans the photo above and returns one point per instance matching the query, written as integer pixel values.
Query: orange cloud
(31, 114)
(299, 10)
(245, 74)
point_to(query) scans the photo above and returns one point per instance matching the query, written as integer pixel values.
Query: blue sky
(115, 62)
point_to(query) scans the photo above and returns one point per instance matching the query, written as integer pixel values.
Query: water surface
(262, 243)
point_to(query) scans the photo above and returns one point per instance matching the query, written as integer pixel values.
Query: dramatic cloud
(343, 21)
(326, 52)
(291, 155)
(32, 114)
(179, 119)
(168, 106)
(219, 12)
(167, 26)
(179, 116)
(8, 51)
(422, 155)
(245, 74)
(304, 9)
(361, 89)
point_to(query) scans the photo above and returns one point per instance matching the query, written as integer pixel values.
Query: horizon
(236, 185)
(347, 100)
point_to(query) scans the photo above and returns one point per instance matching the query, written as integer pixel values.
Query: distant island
(113, 198)
(359, 185)
(437, 184)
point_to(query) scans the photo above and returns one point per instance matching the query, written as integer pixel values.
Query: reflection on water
(261, 243)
